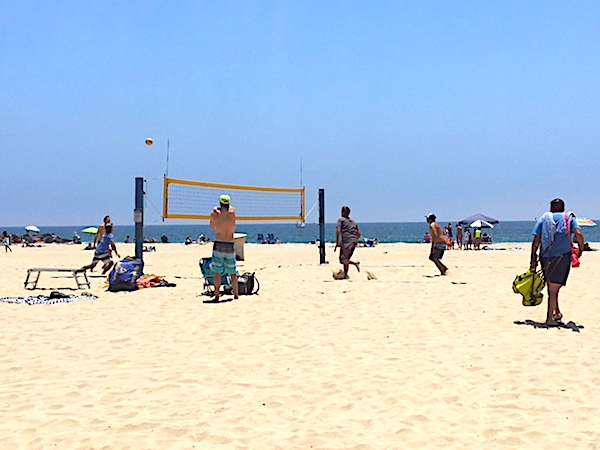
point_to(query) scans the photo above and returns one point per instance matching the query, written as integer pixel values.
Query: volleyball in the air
(149, 142)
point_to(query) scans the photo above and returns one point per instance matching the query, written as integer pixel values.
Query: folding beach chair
(209, 279)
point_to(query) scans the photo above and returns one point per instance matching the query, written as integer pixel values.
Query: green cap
(225, 199)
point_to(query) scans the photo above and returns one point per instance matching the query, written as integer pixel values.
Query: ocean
(411, 232)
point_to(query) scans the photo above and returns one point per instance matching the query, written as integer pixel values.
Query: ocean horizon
(385, 232)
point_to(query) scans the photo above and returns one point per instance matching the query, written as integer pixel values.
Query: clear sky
(395, 108)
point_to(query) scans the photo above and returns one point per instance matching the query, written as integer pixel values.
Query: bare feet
(552, 323)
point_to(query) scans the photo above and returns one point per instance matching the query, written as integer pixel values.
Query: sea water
(387, 232)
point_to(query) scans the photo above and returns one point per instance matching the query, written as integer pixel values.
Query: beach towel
(530, 285)
(52, 299)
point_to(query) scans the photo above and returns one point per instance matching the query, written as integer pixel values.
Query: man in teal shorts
(222, 220)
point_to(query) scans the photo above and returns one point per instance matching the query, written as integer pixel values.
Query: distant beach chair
(209, 278)
(271, 239)
(260, 238)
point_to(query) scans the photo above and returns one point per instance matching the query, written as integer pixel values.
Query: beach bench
(75, 273)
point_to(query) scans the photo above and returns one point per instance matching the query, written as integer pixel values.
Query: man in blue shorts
(550, 236)
(222, 220)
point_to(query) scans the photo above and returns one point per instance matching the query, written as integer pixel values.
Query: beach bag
(124, 274)
(248, 284)
(530, 285)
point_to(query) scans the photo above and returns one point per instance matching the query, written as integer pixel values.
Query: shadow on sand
(568, 326)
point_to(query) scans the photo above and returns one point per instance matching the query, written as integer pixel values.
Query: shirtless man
(101, 231)
(438, 243)
(222, 220)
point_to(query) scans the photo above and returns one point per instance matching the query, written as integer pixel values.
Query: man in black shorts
(438, 243)
(555, 244)
(347, 235)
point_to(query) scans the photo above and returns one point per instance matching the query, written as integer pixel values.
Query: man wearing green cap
(222, 220)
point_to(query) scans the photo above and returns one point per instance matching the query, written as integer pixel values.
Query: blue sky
(395, 108)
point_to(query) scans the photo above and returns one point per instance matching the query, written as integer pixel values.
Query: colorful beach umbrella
(585, 222)
(90, 230)
(32, 228)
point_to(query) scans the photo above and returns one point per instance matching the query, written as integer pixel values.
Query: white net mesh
(195, 200)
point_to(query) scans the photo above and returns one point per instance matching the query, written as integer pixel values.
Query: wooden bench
(76, 273)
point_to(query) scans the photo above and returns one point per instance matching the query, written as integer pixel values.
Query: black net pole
(322, 226)
(138, 217)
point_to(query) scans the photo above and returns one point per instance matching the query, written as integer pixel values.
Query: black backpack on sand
(248, 284)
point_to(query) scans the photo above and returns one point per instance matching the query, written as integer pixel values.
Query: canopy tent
(469, 220)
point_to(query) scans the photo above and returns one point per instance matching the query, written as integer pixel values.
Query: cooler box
(238, 245)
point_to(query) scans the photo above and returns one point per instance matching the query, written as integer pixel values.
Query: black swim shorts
(556, 268)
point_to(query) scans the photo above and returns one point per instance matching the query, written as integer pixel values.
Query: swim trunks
(438, 251)
(104, 257)
(556, 268)
(223, 259)
(346, 251)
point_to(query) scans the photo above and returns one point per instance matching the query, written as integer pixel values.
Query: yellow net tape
(184, 199)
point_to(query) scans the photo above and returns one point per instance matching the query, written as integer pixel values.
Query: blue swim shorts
(223, 259)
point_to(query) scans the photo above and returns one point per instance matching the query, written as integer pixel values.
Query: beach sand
(406, 360)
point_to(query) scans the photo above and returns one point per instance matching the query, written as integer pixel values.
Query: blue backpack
(124, 274)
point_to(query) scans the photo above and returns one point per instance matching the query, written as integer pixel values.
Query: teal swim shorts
(223, 259)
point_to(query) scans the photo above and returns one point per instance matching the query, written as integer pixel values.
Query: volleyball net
(185, 199)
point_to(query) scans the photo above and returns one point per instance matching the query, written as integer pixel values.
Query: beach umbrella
(32, 228)
(475, 217)
(585, 222)
(481, 224)
(90, 230)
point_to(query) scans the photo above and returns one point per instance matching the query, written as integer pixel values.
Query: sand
(406, 360)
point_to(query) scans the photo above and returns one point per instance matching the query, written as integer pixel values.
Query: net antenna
(194, 200)
(301, 223)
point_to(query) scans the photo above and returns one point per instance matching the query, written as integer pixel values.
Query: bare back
(223, 222)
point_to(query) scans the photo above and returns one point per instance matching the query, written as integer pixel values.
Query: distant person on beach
(459, 235)
(467, 240)
(103, 250)
(347, 235)
(438, 243)
(101, 231)
(127, 240)
(6, 242)
(477, 245)
(222, 220)
(551, 238)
